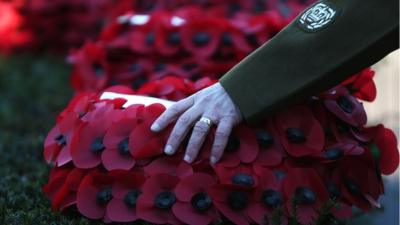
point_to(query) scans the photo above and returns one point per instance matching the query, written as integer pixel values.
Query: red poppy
(242, 146)
(157, 199)
(241, 175)
(232, 201)
(125, 191)
(143, 143)
(301, 134)
(56, 181)
(135, 72)
(169, 40)
(268, 197)
(173, 165)
(271, 151)
(80, 104)
(346, 107)
(203, 83)
(362, 85)
(200, 36)
(171, 88)
(359, 182)
(87, 143)
(94, 193)
(116, 154)
(120, 89)
(194, 204)
(384, 148)
(305, 187)
(339, 150)
(232, 42)
(143, 37)
(90, 68)
(58, 141)
(66, 195)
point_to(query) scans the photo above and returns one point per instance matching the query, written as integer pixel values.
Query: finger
(221, 139)
(169, 115)
(182, 127)
(197, 138)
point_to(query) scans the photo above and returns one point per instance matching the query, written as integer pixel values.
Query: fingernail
(155, 127)
(213, 159)
(187, 158)
(168, 150)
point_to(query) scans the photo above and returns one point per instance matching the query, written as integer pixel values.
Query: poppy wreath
(58, 25)
(186, 40)
(308, 161)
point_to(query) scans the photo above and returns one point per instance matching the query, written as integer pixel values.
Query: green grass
(32, 91)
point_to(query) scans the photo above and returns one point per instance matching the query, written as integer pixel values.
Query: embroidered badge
(317, 17)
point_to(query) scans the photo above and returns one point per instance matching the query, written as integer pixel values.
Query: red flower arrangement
(191, 41)
(110, 166)
(117, 170)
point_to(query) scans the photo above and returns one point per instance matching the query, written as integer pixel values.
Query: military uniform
(324, 45)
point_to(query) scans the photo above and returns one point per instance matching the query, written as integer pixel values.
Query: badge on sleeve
(317, 17)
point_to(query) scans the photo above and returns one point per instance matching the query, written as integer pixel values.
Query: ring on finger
(206, 120)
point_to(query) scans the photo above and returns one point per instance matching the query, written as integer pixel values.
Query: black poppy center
(135, 67)
(61, 140)
(160, 67)
(280, 174)
(174, 38)
(342, 127)
(226, 39)
(139, 81)
(304, 195)
(352, 187)
(201, 38)
(131, 197)
(189, 66)
(165, 200)
(272, 198)
(259, 6)
(150, 38)
(252, 39)
(345, 104)
(98, 69)
(265, 139)
(233, 144)
(295, 135)
(243, 179)
(97, 145)
(333, 190)
(333, 154)
(201, 201)
(123, 147)
(238, 200)
(104, 196)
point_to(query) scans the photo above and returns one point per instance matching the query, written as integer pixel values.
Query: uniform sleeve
(301, 60)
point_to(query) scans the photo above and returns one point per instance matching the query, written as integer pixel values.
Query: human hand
(211, 103)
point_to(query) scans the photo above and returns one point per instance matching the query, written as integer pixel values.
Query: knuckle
(200, 128)
(184, 119)
(175, 137)
(218, 146)
(174, 109)
(221, 134)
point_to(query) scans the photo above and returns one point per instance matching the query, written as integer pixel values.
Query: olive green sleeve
(297, 63)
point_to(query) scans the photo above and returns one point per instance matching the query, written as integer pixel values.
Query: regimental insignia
(318, 16)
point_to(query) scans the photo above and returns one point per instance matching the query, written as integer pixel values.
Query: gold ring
(206, 120)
